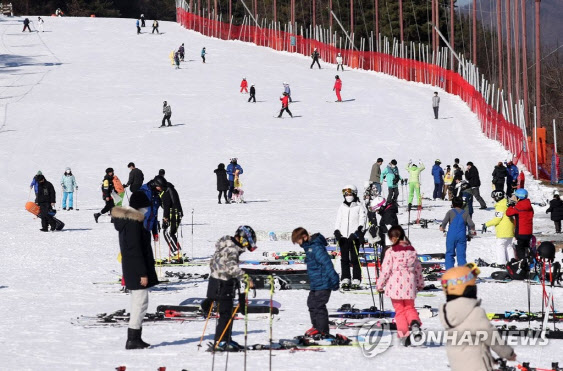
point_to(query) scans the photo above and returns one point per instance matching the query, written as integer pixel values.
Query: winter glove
(359, 230)
(337, 235)
(155, 237)
(373, 231)
(165, 224)
(483, 228)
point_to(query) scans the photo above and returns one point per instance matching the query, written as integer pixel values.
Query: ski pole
(369, 278)
(192, 234)
(271, 280)
(76, 201)
(227, 327)
(246, 280)
(205, 326)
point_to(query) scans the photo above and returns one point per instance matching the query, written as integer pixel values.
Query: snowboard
(282, 281)
(33, 208)
(256, 302)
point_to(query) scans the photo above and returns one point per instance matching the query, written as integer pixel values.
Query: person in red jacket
(244, 85)
(523, 214)
(521, 180)
(285, 105)
(337, 88)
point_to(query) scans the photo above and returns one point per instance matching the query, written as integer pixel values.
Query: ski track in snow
(88, 94)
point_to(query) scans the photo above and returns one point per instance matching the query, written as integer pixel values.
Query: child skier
(285, 105)
(203, 52)
(504, 228)
(68, 183)
(177, 60)
(155, 26)
(349, 234)
(462, 315)
(456, 239)
(138, 24)
(315, 56)
(107, 190)
(523, 214)
(337, 88)
(252, 94)
(401, 278)
(322, 276)
(556, 210)
(448, 180)
(339, 64)
(414, 181)
(40, 24)
(222, 182)
(167, 111)
(181, 51)
(244, 86)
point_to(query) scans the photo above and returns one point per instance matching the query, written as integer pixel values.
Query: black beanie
(139, 200)
(109, 170)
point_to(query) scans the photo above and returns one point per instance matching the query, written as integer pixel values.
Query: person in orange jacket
(244, 85)
(285, 105)
(337, 88)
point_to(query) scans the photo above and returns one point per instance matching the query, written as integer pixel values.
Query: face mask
(349, 199)
(143, 210)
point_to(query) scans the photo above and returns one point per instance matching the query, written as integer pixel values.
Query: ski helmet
(546, 250)
(456, 280)
(247, 237)
(234, 160)
(349, 189)
(160, 181)
(337, 77)
(497, 195)
(376, 203)
(109, 170)
(556, 193)
(521, 194)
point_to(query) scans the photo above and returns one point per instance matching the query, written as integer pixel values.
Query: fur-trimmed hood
(120, 216)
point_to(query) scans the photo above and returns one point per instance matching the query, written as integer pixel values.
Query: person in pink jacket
(401, 278)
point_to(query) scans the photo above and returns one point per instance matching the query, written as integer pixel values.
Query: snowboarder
(287, 90)
(136, 178)
(504, 228)
(556, 210)
(171, 218)
(448, 181)
(152, 189)
(138, 24)
(462, 315)
(142, 20)
(177, 60)
(231, 170)
(511, 178)
(414, 181)
(337, 88)
(375, 175)
(107, 190)
(46, 199)
(435, 104)
(472, 176)
(68, 183)
(40, 23)
(26, 25)
(315, 56)
(252, 94)
(401, 278)
(456, 238)
(35, 183)
(181, 50)
(438, 175)
(285, 105)
(349, 234)
(499, 174)
(322, 276)
(203, 52)
(167, 111)
(521, 209)
(137, 263)
(222, 182)
(155, 26)
(225, 281)
(244, 86)
(339, 64)
(391, 175)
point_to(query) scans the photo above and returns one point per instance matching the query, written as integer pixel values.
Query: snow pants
(504, 250)
(456, 247)
(166, 118)
(46, 219)
(109, 205)
(252, 97)
(70, 196)
(339, 66)
(317, 61)
(405, 314)
(138, 30)
(338, 97)
(475, 192)
(285, 109)
(557, 226)
(224, 193)
(139, 306)
(155, 29)
(414, 188)
(435, 112)
(438, 189)
(316, 302)
(349, 255)
(243, 89)
(393, 194)
(26, 26)
(222, 294)
(522, 246)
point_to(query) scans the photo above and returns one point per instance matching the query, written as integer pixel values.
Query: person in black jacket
(472, 177)
(315, 57)
(136, 178)
(107, 189)
(137, 262)
(252, 94)
(222, 182)
(499, 175)
(46, 199)
(26, 25)
(556, 210)
(389, 219)
(171, 217)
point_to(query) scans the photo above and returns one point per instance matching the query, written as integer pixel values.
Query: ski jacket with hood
(350, 217)
(504, 227)
(338, 85)
(244, 84)
(499, 174)
(136, 178)
(401, 273)
(414, 172)
(319, 265)
(225, 261)
(107, 186)
(375, 175)
(231, 169)
(523, 214)
(171, 205)
(285, 101)
(512, 173)
(45, 193)
(391, 175)
(151, 216)
(556, 209)
(68, 182)
(438, 174)
(472, 176)
(222, 181)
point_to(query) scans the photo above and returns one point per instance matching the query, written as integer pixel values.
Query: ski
(258, 302)
(194, 308)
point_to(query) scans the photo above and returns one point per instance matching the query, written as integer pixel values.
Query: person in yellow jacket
(504, 228)
(414, 181)
(448, 180)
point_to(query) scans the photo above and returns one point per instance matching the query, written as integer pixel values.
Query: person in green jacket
(504, 228)
(414, 181)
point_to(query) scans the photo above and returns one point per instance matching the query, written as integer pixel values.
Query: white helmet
(376, 203)
(349, 189)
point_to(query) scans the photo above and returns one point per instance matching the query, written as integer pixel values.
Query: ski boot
(356, 285)
(415, 330)
(231, 346)
(70, 208)
(345, 285)
(134, 340)
(312, 332)
(96, 216)
(337, 339)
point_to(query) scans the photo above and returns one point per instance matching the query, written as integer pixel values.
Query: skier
(222, 182)
(155, 26)
(323, 279)
(339, 64)
(35, 183)
(438, 174)
(462, 315)
(521, 209)
(107, 190)
(177, 60)
(167, 111)
(68, 183)
(203, 52)
(401, 278)
(556, 210)
(181, 51)
(349, 234)
(511, 178)
(391, 175)
(448, 181)
(26, 25)
(136, 178)
(414, 181)
(375, 175)
(152, 189)
(472, 176)
(315, 55)
(456, 239)
(499, 174)
(138, 27)
(244, 86)
(337, 88)
(137, 263)
(285, 105)
(252, 94)
(435, 104)
(142, 20)
(40, 23)
(504, 228)
(388, 219)
(287, 90)
(46, 199)
(224, 281)
(171, 217)
(231, 170)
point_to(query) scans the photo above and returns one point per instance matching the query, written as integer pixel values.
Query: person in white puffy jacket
(349, 233)
(339, 64)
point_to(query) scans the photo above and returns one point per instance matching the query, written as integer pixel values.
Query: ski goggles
(348, 191)
(475, 271)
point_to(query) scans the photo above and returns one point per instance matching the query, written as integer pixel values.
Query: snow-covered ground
(87, 93)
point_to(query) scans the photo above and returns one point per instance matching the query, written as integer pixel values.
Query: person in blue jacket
(438, 174)
(68, 183)
(153, 189)
(456, 238)
(34, 183)
(322, 276)
(231, 169)
(138, 27)
(203, 52)
(512, 178)
(391, 175)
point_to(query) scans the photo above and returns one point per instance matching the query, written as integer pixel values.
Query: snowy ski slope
(87, 93)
